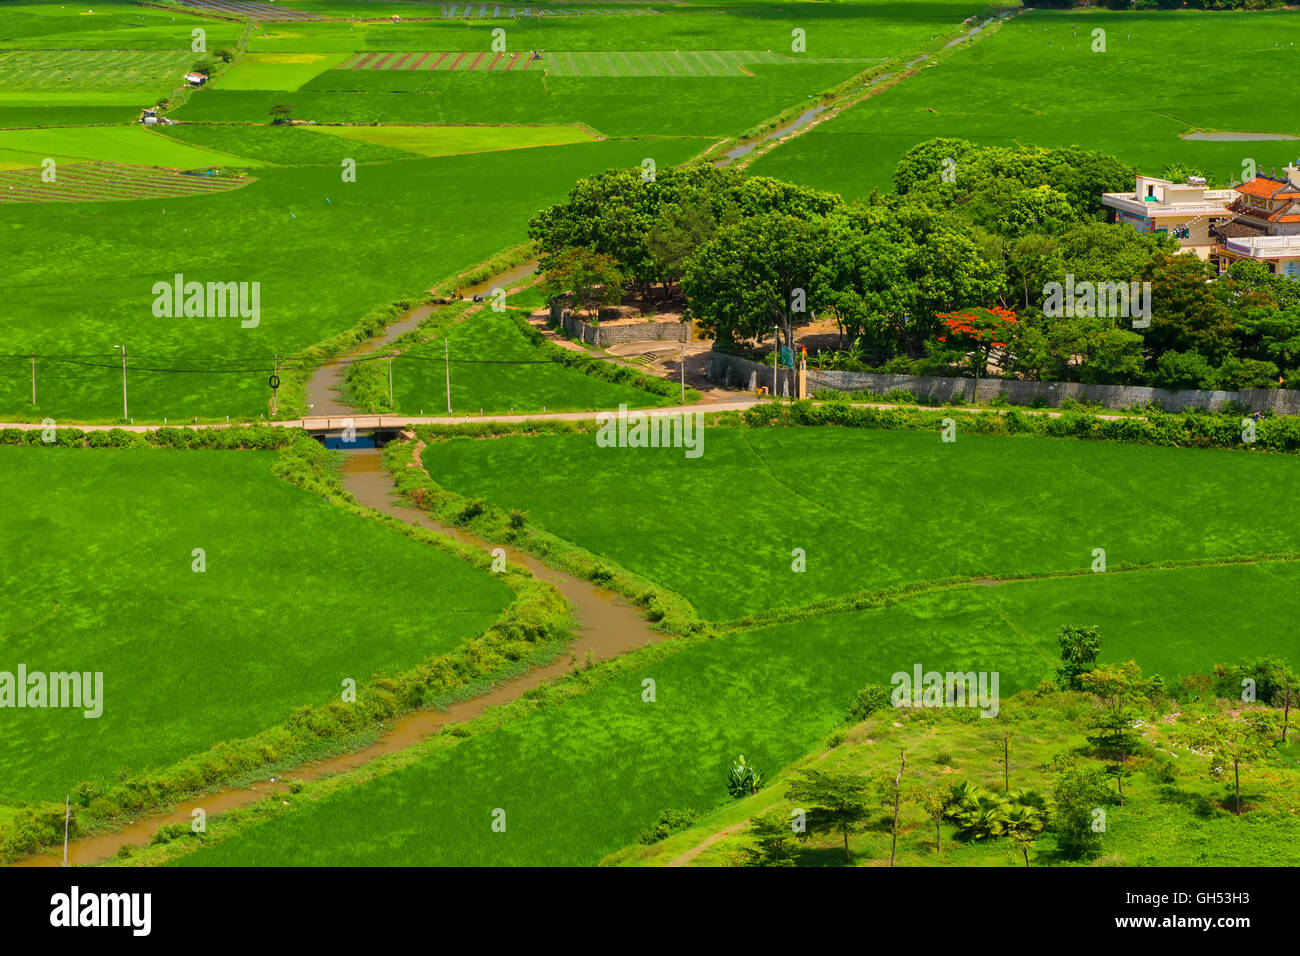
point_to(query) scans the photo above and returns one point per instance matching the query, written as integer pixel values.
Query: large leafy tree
(1104, 252)
(592, 278)
(865, 282)
(1015, 211)
(949, 271)
(682, 226)
(1080, 644)
(757, 274)
(834, 802)
(1187, 314)
(614, 212)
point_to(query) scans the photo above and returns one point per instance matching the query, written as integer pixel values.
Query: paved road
(368, 422)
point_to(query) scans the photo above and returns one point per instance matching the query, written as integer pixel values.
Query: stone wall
(606, 335)
(735, 371)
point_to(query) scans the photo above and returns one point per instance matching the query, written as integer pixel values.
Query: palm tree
(1024, 817)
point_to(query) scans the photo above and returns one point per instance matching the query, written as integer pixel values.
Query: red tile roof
(1262, 186)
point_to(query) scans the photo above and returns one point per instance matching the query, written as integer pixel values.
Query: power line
(243, 365)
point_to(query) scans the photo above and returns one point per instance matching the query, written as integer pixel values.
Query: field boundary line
(906, 65)
(871, 600)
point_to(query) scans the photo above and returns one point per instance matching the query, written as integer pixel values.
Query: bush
(872, 698)
(670, 822)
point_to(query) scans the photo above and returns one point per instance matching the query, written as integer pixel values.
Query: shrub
(742, 779)
(872, 698)
(670, 822)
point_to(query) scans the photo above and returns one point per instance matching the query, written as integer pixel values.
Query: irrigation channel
(608, 626)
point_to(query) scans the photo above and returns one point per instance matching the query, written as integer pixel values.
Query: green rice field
(1124, 101)
(281, 615)
(771, 693)
(875, 510)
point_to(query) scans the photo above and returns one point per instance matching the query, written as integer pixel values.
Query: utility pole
(776, 355)
(67, 815)
(1006, 763)
(275, 377)
(446, 362)
(898, 784)
(125, 415)
(33, 378)
(390, 381)
(683, 378)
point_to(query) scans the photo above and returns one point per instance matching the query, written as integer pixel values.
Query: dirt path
(696, 850)
(743, 155)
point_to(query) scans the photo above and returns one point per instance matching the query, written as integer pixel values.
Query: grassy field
(276, 71)
(282, 145)
(385, 235)
(1124, 101)
(76, 71)
(456, 140)
(285, 610)
(864, 28)
(624, 106)
(133, 145)
(1166, 822)
(112, 26)
(677, 63)
(772, 694)
(723, 69)
(107, 182)
(875, 510)
(495, 369)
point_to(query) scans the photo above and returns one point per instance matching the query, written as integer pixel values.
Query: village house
(196, 79)
(1266, 223)
(1258, 219)
(1187, 211)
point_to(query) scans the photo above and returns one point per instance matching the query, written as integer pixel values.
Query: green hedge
(225, 437)
(1188, 430)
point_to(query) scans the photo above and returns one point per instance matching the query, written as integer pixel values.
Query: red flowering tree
(976, 332)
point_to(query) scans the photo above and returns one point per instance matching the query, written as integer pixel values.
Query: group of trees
(966, 231)
(1083, 781)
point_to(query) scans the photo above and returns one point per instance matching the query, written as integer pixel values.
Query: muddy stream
(607, 627)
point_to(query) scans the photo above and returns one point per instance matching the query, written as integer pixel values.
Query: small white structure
(196, 79)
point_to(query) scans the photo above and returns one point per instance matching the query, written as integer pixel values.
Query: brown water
(323, 389)
(607, 627)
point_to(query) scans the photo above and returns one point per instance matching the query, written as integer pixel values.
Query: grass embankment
(1175, 813)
